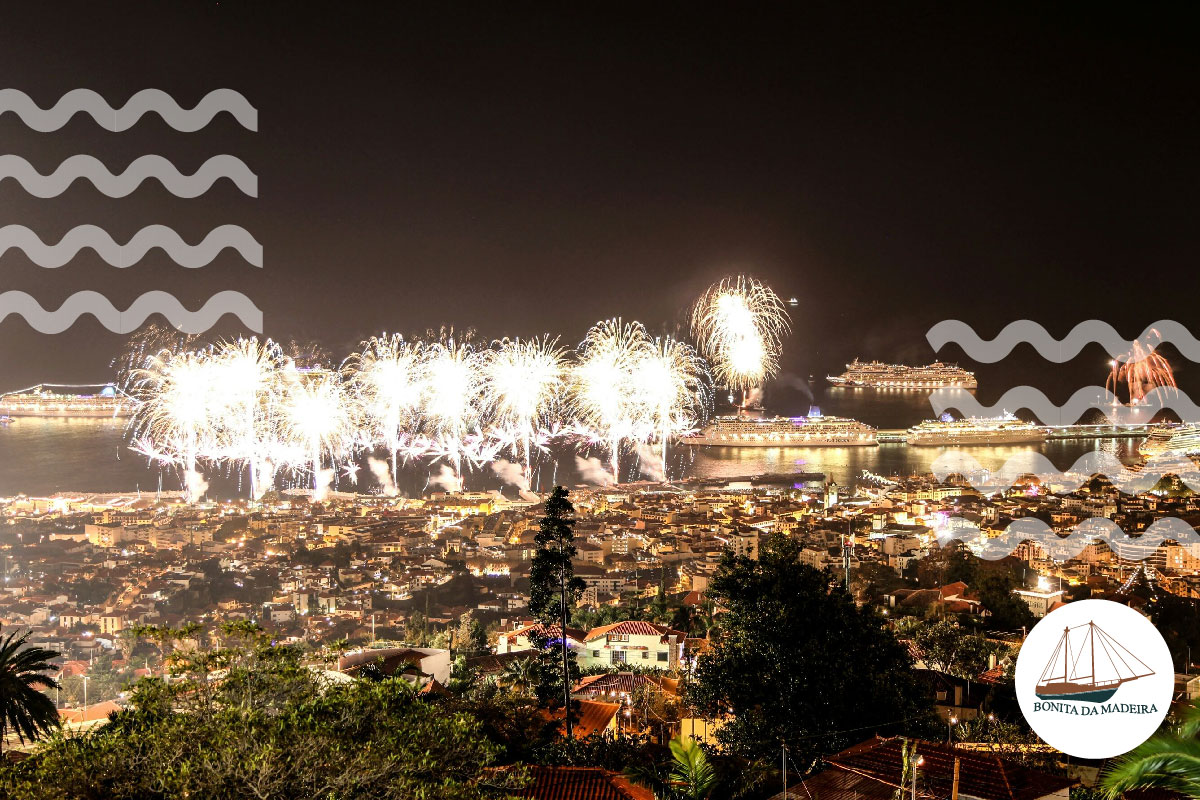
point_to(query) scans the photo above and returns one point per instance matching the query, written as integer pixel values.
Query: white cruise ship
(975, 432)
(50, 400)
(877, 375)
(814, 430)
(1171, 438)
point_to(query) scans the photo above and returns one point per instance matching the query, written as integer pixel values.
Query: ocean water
(45, 455)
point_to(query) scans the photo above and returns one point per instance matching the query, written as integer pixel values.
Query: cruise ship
(55, 400)
(877, 375)
(975, 432)
(814, 430)
(1171, 438)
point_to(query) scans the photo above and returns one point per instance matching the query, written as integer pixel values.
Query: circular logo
(1094, 679)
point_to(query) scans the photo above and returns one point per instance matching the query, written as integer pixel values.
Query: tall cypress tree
(553, 588)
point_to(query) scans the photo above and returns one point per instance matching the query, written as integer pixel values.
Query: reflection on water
(45, 455)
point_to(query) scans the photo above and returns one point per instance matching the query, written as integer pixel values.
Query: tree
(947, 647)
(269, 728)
(1168, 761)
(520, 674)
(471, 636)
(1008, 611)
(693, 776)
(798, 662)
(553, 587)
(24, 672)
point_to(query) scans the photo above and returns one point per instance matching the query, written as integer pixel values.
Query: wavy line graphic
(187, 120)
(1030, 529)
(1060, 350)
(53, 256)
(1085, 399)
(1085, 467)
(122, 184)
(129, 320)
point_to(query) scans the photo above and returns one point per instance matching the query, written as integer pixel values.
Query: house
(429, 664)
(632, 642)
(519, 639)
(872, 771)
(580, 783)
(592, 717)
(618, 686)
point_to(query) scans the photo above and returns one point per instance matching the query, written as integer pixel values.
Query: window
(663, 656)
(595, 654)
(618, 656)
(645, 654)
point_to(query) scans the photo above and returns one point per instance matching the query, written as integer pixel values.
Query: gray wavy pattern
(132, 318)
(53, 256)
(1083, 400)
(1085, 467)
(1133, 548)
(187, 120)
(123, 184)
(1060, 350)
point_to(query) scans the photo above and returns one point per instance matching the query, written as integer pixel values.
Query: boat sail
(1077, 674)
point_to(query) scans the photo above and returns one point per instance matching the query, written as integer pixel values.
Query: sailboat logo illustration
(1089, 666)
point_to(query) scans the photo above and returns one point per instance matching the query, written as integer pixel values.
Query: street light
(950, 723)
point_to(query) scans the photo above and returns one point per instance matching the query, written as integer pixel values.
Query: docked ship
(815, 430)
(1077, 675)
(877, 375)
(56, 400)
(975, 432)
(1172, 439)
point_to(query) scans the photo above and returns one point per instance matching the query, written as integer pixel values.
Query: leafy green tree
(24, 672)
(553, 587)
(796, 661)
(520, 674)
(961, 564)
(1169, 761)
(269, 728)
(471, 636)
(948, 647)
(1008, 611)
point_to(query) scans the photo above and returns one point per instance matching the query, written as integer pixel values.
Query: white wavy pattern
(132, 318)
(138, 172)
(53, 256)
(1029, 529)
(1085, 399)
(1060, 350)
(1080, 473)
(86, 101)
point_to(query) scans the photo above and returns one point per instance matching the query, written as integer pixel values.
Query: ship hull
(75, 413)
(707, 441)
(1077, 693)
(975, 441)
(914, 385)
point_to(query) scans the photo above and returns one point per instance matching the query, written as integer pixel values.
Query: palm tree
(1168, 761)
(689, 775)
(23, 671)
(520, 674)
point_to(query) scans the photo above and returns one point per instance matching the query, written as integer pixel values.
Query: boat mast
(1092, 633)
(1066, 655)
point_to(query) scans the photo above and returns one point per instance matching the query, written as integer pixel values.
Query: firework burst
(451, 400)
(739, 324)
(672, 388)
(173, 420)
(522, 387)
(604, 393)
(386, 381)
(316, 421)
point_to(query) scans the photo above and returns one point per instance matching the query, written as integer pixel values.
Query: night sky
(517, 171)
